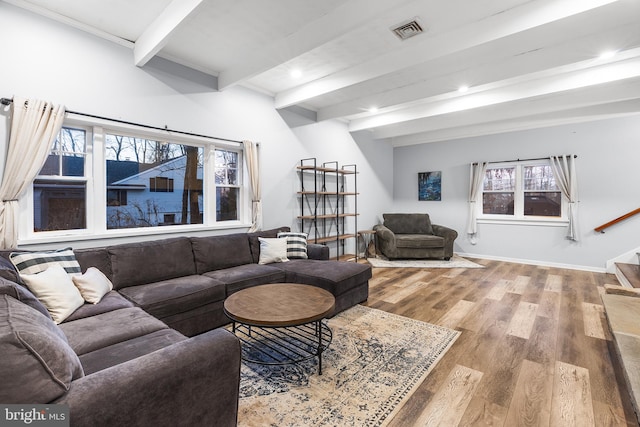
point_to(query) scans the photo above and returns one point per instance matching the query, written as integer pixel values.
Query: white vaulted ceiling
(526, 63)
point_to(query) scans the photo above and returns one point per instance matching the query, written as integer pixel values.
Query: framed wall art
(430, 186)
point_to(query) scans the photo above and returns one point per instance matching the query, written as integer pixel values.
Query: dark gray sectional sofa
(151, 351)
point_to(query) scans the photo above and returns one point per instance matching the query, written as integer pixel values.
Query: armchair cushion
(408, 223)
(419, 241)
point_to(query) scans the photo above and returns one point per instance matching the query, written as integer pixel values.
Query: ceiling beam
(512, 21)
(595, 96)
(524, 121)
(335, 24)
(154, 38)
(547, 82)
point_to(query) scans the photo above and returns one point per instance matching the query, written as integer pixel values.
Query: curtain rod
(8, 101)
(575, 156)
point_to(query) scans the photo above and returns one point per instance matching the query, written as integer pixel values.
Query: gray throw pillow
(38, 364)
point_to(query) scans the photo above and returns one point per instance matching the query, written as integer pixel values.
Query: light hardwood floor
(534, 350)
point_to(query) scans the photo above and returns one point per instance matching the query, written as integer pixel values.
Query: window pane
(543, 204)
(500, 179)
(59, 205)
(152, 183)
(226, 203)
(67, 155)
(497, 203)
(539, 178)
(226, 167)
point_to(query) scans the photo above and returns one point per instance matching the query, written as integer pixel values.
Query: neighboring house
(152, 197)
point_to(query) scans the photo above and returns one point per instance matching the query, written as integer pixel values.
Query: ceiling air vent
(408, 29)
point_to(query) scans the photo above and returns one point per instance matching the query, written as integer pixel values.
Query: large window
(521, 191)
(95, 180)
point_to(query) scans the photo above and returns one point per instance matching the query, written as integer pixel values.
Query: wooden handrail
(601, 228)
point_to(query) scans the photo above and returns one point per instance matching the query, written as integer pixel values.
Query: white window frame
(518, 217)
(96, 195)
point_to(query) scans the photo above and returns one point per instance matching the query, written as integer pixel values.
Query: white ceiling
(526, 63)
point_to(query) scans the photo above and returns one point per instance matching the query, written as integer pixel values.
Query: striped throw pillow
(37, 262)
(296, 244)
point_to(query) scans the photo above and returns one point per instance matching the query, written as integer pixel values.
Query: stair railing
(601, 228)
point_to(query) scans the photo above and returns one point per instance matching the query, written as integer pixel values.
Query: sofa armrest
(386, 240)
(317, 251)
(193, 382)
(447, 233)
(449, 236)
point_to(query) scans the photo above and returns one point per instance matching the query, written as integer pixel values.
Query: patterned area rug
(374, 363)
(455, 262)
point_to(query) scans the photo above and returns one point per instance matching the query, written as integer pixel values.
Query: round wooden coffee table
(281, 323)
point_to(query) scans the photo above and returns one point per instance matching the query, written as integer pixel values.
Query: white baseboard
(538, 263)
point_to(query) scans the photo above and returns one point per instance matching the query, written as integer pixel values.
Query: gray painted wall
(47, 60)
(608, 180)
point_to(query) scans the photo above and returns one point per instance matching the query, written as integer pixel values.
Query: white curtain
(564, 170)
(34, 126)
(475, 189)
(253, 166)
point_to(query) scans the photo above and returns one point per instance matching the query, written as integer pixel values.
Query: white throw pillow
(93, 285)
(55, 290)
(272, 250)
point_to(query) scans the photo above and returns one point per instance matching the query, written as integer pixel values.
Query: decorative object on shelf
(430, 186)
(329, 204)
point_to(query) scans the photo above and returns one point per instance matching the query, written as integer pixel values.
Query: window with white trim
(98, 180)
(522, 191)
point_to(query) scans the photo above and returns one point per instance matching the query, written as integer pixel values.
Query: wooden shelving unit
(324, 213)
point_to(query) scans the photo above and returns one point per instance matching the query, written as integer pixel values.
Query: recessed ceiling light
(608, 54)
(463, 89)
(373, 110)
(296, 73)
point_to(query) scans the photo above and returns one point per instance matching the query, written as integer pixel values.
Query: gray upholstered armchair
(412, 235)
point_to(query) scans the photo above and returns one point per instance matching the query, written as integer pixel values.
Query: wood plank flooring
(535, 349)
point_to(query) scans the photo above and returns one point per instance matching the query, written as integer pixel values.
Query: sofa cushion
(419, 241)
(38, 364)
(8, 270)
(244, 276)
(296, 244)
(37, 262)
(55, 289)
(22, 294)
(113, 326)
(93, 285)
(94, 257)
(272, 250)
(115, 354)
(217, 252)
(177, 295)
(407, 223)
(147, 262)
(254, 243)
(111, 301)
(336, 277)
